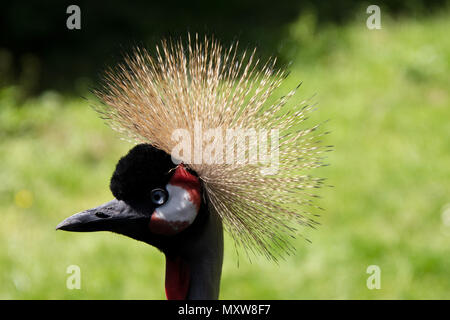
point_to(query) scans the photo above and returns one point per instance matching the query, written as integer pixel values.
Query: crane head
(155, 200)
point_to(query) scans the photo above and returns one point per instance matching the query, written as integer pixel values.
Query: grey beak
(106, 217)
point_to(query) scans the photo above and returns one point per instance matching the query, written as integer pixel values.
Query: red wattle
(177, 278)
(187, 181)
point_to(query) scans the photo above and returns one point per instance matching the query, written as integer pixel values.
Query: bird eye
(159, 196)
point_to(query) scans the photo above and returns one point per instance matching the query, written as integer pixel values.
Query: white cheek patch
(176, 214)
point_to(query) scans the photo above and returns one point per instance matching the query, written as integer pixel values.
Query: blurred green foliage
(386, 93)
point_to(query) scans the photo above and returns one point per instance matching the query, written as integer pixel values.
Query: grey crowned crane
(183, 183)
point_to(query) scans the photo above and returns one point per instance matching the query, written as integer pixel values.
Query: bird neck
(193, 272)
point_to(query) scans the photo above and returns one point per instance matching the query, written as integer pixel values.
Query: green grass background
(386, 93)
